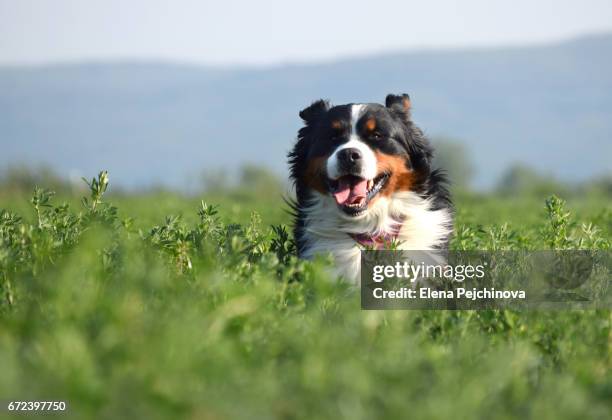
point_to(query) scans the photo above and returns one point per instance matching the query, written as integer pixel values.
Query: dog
(363, 179)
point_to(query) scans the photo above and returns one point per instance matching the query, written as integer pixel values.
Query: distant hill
(147, 122)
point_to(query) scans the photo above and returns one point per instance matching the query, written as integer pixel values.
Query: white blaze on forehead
(368, 168)
(356, 111)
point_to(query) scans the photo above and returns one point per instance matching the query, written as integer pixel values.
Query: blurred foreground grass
(127, 312)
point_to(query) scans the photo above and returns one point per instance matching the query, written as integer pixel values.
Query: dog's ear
(314, 111)
(399, 103)
(418, 146)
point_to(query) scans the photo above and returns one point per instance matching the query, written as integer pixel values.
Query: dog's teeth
(370, 184)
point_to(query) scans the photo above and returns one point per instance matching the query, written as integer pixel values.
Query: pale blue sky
(276, 31)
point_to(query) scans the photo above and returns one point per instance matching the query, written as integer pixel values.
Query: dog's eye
(376, 135)
(337, 134)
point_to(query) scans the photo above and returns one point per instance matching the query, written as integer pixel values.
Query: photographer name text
(458, 293)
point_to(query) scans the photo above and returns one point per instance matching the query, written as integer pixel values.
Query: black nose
(350, 156)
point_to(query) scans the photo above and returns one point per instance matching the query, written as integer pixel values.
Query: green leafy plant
(196, 316)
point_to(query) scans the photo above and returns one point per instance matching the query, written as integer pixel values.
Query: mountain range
(547, 106)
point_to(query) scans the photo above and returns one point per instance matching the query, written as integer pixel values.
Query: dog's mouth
(353, 193)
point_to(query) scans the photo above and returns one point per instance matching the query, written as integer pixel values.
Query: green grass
(126, 313)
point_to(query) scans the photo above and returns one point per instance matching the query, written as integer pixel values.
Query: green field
(162, 305)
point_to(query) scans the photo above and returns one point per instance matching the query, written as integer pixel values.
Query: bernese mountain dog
(363, 179)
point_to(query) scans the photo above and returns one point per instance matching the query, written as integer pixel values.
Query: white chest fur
(327, 229)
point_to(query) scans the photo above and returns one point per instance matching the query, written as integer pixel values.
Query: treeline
(249, 179)
(518, 179)
(254, 180)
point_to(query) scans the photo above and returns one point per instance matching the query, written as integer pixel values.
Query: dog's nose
(350, 156)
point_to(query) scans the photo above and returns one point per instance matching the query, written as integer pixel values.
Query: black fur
(398, 136)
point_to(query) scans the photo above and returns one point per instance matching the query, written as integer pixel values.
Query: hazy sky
(274, 31)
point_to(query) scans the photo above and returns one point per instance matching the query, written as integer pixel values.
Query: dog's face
(357, 153)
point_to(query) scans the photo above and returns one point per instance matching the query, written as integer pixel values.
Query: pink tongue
(349, 192)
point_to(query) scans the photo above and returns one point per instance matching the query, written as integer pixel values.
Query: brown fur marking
(314, 175)
(406, 104)
(370, 124)
(402, 178)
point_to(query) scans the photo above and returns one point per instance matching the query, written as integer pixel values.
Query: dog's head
(357, 153)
